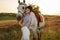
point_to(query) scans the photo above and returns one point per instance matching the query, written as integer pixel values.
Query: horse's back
(42, 24)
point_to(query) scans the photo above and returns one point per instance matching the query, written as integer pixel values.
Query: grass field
(9, 30)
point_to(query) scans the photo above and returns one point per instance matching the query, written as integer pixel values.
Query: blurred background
(48, 7)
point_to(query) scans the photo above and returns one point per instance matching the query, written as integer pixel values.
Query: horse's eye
(22, 7)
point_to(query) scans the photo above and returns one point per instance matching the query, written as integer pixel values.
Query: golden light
(8, 6)
(50, 7)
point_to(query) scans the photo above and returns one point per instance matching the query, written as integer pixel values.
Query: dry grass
(10, 31)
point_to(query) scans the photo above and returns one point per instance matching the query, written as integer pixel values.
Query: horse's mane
(37, 13)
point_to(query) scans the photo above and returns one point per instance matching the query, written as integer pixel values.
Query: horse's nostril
(22, 7)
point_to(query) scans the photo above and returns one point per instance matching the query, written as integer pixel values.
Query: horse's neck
(33, 18)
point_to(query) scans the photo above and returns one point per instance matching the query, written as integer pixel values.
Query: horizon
(47, 7)
(16, 13)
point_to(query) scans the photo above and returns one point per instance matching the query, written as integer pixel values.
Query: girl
(25, 25)
(29, 21)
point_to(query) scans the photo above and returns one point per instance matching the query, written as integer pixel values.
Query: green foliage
(11, 33)
(7, 16)
(48, 36)
(14, 33)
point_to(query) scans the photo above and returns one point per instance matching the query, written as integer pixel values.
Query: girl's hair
(29, 7)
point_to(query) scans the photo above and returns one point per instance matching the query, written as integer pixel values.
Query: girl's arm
(21, 23)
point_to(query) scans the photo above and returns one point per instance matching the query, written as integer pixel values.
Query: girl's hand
(21, 23)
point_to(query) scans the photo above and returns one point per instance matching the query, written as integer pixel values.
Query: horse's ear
(23, 1)
(19, 1)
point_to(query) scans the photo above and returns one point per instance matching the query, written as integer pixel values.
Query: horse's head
(21, 8)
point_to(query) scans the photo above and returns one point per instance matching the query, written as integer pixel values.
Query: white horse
(42, 24)
(34, 25)
(20, 14)
(21, 8)
(25, 30)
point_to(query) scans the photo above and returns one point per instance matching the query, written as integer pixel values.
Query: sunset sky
(51, 7)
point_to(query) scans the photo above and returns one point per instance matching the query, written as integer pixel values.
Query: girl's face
(27, 10)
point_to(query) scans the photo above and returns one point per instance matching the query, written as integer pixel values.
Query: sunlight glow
(50, 7)
(47, 6)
